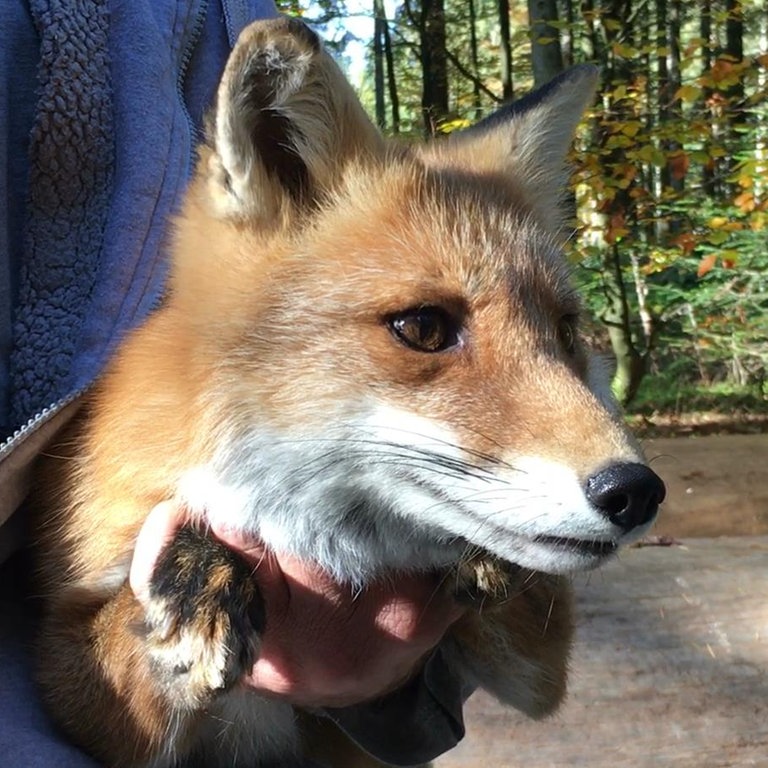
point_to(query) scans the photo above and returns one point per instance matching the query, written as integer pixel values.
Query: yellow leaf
(617, 142)
(620, 92)
(658, 260)
(645, 153)
(631, 128)
(746, 203)
(454, 125)
(723, 74)
(688, 93)
(624, 51)
(694, 45)
(658, 158)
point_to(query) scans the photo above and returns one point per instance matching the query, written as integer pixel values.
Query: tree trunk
(709, 171)
(475, 59)
(630, 364)
(734, 35)
(546, 53)
(761, 145)
(668, 45)
(591, 41)
(650, 178)
(434, 65)
(505, 52)
(394, 99)
(378, 62)
(616, 29)
(567, 39)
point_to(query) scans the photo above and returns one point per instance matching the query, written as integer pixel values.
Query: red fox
(369, 358)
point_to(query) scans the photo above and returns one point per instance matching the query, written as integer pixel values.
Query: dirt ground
(717, 485)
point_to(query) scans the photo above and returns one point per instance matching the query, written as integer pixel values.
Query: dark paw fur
(204, 618)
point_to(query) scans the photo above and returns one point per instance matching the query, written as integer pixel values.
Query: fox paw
(483, 581)
(204, 617)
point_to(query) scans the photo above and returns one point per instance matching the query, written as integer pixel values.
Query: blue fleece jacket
(92, 163)
(110, 149)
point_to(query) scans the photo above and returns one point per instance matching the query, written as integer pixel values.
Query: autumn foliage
(671, 182)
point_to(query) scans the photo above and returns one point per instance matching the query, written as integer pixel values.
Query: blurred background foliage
(671, 180)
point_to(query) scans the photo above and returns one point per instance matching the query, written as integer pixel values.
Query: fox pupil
(425, 329)
(566, 332)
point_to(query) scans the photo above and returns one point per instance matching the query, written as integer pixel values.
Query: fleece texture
(72, 160)
(110, 151)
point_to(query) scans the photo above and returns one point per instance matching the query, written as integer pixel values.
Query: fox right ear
(528, 140)
(286, 123)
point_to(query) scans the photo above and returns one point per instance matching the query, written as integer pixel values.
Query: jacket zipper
(186, 58)
(37, 421)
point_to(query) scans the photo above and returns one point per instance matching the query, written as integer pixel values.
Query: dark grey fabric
(27, 738)
(433, 701)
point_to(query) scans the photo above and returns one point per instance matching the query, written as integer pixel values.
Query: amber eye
(425, 329)
(566, 333)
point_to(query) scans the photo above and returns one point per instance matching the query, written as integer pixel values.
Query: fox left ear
(529, 139)
(286, 123)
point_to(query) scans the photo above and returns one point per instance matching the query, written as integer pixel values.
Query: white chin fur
(391, 490)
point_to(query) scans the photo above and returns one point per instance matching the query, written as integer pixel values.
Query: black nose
(627, 494)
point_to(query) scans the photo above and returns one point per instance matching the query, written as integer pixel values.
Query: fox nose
(628, 494)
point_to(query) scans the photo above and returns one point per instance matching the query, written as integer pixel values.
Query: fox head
(385, 337)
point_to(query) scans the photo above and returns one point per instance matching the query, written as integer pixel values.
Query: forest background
(671, 165)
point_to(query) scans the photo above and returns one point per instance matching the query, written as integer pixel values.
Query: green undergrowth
(663, 395)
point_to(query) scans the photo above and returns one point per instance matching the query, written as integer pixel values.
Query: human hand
(323, 644)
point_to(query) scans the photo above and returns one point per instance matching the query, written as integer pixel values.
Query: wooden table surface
(670, 669)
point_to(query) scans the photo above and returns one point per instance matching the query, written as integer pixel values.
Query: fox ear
(529, 139)
(285, 124)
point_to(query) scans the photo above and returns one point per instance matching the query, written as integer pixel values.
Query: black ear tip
(573, 76)
(581, 70)
(579, 73)
(582, 77)
(302, 32)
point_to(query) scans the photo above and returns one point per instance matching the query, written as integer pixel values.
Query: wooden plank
(670, 669)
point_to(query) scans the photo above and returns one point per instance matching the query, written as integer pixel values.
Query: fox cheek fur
(370, 358)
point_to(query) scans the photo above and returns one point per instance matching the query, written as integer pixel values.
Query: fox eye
(425, 329)
(566, 333)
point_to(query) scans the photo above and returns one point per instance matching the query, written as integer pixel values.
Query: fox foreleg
(515, 640)
(130, 682)
(203, 618)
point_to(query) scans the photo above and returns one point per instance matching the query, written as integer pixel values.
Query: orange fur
(282, 278)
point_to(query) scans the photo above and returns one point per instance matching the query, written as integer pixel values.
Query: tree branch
(472, 78)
